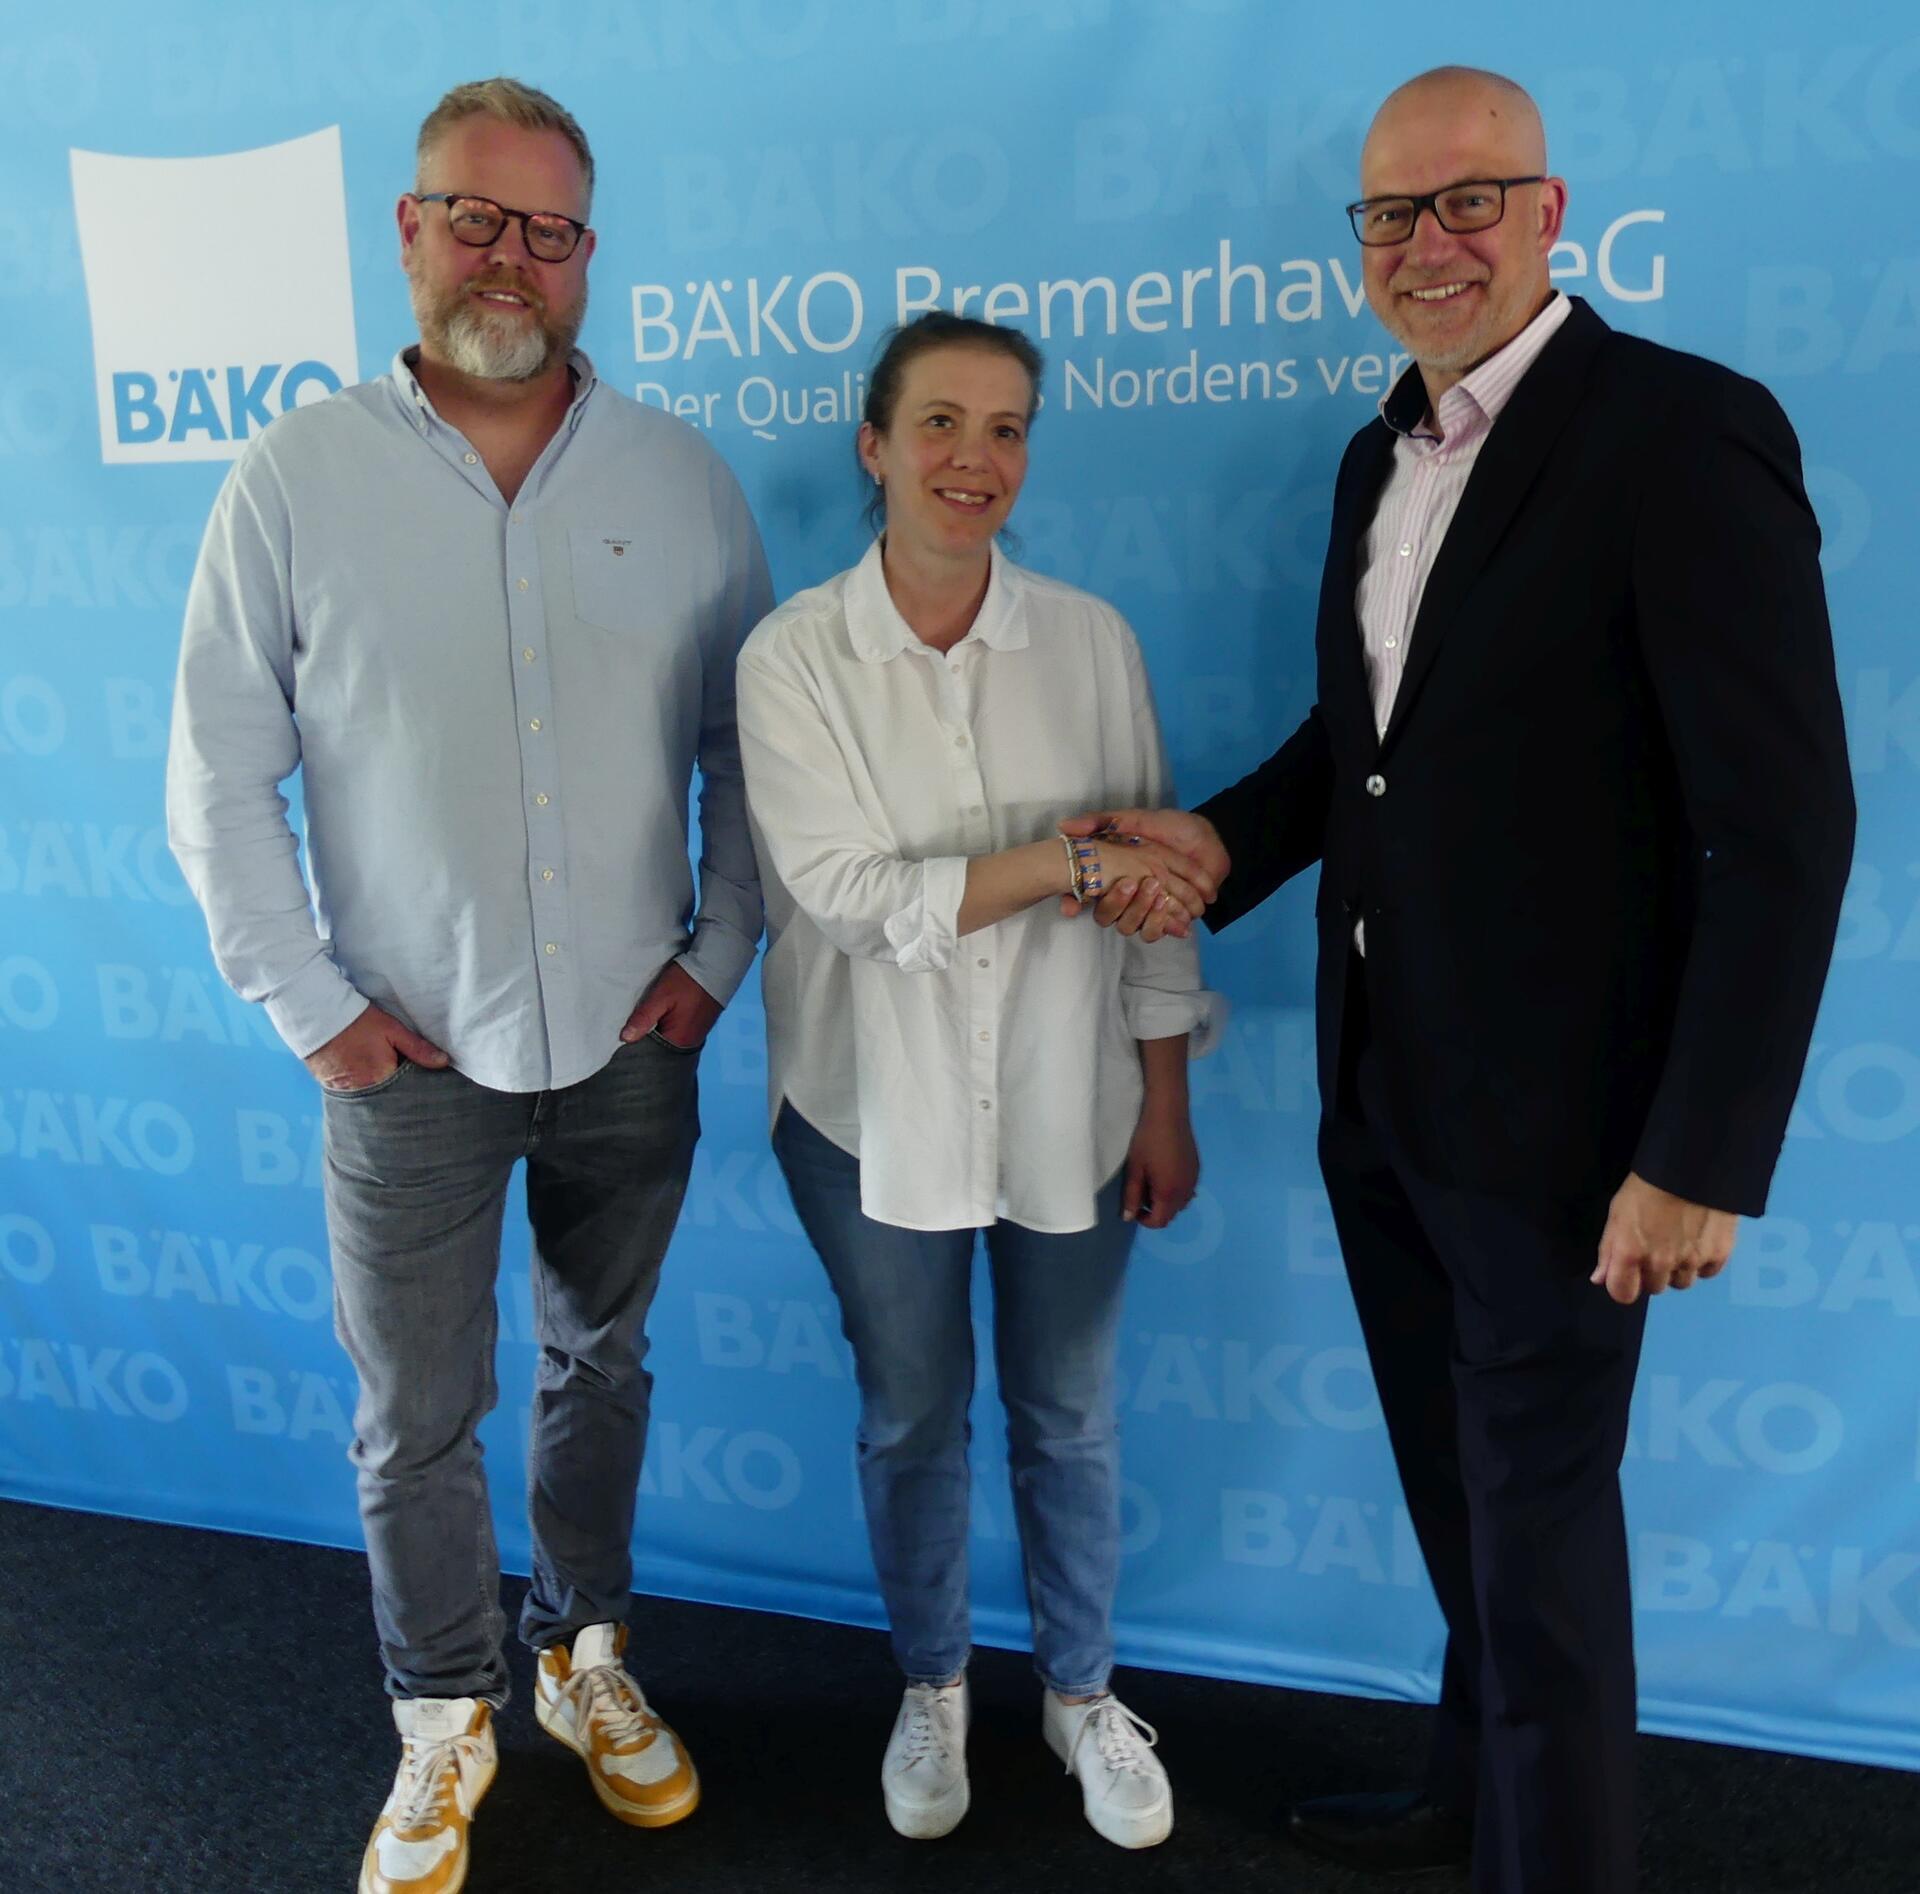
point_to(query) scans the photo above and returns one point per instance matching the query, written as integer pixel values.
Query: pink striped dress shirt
(1432, 463)
(1431, 466)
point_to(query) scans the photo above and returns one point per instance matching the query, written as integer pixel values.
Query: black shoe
(1403, 1835)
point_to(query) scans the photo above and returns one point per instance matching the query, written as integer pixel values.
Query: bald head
(1466, 102)
(1465, 145)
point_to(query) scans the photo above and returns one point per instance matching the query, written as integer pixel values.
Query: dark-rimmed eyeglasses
(1473, 204)
(478, 220)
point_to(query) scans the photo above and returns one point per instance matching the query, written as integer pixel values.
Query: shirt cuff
(924, 933)
(718, 959)
(314, 1006)
(1153, 1013)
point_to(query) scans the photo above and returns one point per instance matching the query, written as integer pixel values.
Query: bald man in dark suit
(1578, 788)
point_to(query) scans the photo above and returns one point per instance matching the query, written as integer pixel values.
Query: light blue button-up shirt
(497, 712)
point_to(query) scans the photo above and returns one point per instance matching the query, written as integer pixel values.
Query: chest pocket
(618, 582)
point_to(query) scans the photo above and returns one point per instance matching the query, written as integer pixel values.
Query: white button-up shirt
(496, 709)
(978, 1078)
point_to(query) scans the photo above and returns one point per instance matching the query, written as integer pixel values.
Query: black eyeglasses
(1474, 204)
(478, 220)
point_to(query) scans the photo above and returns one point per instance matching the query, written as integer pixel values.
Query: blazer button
(1376, 785)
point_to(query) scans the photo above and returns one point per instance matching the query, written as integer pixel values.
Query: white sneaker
(924, 1774)
(447, 1760)
(1125, 1790)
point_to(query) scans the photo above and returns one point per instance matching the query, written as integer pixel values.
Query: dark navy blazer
(1611, 818)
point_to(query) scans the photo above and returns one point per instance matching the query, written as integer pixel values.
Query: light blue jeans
(905, 1307)
(416, 1182)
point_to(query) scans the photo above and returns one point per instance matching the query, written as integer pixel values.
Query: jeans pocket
(659, 1038)
(368, 1091)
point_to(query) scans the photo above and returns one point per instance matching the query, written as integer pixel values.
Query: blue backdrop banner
(196, 234)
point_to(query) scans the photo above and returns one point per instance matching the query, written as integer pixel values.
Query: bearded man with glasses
(1577, 785)
(490, 608)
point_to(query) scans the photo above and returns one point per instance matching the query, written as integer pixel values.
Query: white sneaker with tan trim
(585, 1699)
(447, 1760)
(1123, 1788)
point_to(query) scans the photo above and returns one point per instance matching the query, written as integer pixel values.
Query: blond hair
(512, 103)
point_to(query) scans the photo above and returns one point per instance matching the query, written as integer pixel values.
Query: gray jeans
(416, 1184)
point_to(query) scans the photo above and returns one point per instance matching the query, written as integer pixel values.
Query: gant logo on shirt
(260, 323)
(619, 546)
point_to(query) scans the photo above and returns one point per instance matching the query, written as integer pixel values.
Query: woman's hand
(1157, 880)
(1163, 1164)
(1192, 839)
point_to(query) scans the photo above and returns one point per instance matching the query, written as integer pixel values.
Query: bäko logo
(220, 290)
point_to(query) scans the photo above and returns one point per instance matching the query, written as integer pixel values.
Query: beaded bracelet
(1088, 881)
(1073, 867)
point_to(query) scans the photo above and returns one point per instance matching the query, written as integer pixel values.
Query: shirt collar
(1490, 386)
(415, 401)
(878, 632)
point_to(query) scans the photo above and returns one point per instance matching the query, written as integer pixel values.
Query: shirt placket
(982, 1021)
(554, 969)
(554, 944)
(1404, 597)
(549, 895)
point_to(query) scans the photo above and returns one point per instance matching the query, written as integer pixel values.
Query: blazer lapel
(1503, 475)
(1354, 501)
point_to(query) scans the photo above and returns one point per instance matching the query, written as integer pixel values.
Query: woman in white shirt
(954, 1050)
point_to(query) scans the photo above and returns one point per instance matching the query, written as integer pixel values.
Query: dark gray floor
(190, 1713)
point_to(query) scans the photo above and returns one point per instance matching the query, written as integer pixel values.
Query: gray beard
(491, 352)
(465, 337)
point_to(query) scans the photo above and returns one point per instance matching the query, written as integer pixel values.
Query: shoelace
(1117, 1734)
(929, 1731)
(424, 1765)
(606, 1691)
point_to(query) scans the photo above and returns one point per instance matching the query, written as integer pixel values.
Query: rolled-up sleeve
(1161, 994)
(726, 929)
(1155, 1009)
(233, 743)
(866, 900)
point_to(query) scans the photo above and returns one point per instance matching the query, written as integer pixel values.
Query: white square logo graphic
(220, 289)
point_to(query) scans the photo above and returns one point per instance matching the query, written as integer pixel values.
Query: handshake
(1157, 869)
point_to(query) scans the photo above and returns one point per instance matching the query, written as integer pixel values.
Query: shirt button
(959, 739)
(1393, 644)
(986, 1104)
(983, 963)
(533, 723)
(553, 947)
(1376, 785)
(521, 583)
(541, 800)
(973, 808)
(984, 1037)
(528, 654)
(546, 874)
(472, 459)
(1405, 551)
